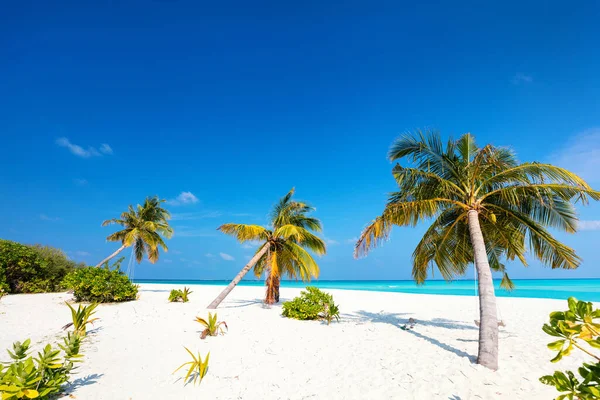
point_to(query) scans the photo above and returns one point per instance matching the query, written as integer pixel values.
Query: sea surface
(583, 289)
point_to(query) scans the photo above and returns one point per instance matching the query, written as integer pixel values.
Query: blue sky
(105, 103)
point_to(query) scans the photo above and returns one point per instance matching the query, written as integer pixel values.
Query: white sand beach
(132, 350)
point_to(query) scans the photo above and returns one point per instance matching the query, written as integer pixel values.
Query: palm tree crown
(515, 202)
(286, 240)
(143, 227)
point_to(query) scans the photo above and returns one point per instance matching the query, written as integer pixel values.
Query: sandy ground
(134, 348)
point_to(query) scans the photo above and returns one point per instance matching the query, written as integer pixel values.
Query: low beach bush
(32, 269)
(41, 377)
(177, 295)
(578, 328)
(81, 318)
(197, 368)
(310, 305)
(101, 285)
(211, 326)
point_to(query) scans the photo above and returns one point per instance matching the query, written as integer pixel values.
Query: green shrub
(101, 285)
(32, 269)
(180, 295)
(41, 377)
(578, 328)
(310, 305)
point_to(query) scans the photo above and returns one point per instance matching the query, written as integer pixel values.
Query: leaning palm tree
(283, 247)
(484, 207)
(143, 227)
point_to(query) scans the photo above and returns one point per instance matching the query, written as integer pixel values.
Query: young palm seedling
(330, 312)
(81, 318)
(180, 295)
(211, 327)
(198, 368)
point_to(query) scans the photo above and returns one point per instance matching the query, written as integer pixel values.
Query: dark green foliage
(578, 328)
(32, 269)
(28, 377)
(101, 285)
(177, 295)
(310, 305)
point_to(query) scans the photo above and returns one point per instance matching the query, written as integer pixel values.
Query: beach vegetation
(312, 304)
(178, 295)
(284, 247)
(211, 326)
(33, 269)
(81, 318)
(197, 367)
(483, 206)
(101, 285)
(577, 328)
(44, 376)
(143, 228)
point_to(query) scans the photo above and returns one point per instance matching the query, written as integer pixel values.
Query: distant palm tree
(282, 249)
(143, 227)
(483, 206)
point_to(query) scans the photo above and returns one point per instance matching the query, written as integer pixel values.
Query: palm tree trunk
(215, 303)
(276, 286)
(488, 320)
(272, 281)
(111, 256)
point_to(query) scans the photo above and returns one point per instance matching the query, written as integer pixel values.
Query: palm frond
(244, 233)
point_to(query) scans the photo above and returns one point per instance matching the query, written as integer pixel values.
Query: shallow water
(583, 289)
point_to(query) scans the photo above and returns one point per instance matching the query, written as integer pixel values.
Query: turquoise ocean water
(583, 289)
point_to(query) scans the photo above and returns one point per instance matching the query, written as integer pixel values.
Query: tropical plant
(32, 269)
(211, 326)
(198, 368)
(312, 304)
(81, 318)
(143, 227)
(484, 206)
(578, 327)
(40, 377)
(101, 285)
(283, 247)
(177, 295)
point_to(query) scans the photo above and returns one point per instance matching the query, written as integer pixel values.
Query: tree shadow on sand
(248, 303)
(394, 320)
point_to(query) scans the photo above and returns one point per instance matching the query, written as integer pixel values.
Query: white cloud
(226, 257)
(352, 240)
(522, 79)
(167, 261)
(196, 262)
(80, 151)
(44, 217)
(176, 252)
(588, 225)
(80, 182)
(195, 215)
(248, 246)
(106, 149)
(187, 231)
(183, 259)
(581, 154)
(331, 242)
(82, 253)
(209, 255)
(184, 198)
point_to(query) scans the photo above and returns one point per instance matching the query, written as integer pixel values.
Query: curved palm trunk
(111, 256)
(488, 325)
(215, 303)
(272, 281)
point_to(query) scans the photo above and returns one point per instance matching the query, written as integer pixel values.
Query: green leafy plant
(198, 368)
(81, 318)
(43, 376)
(577, 328)
(177, 295)
(211, 326)
(32, 269)
(312, 304)
(101, 285)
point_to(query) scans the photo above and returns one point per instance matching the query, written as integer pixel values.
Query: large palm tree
(283, 247)
(143, 227)
(484, 206)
